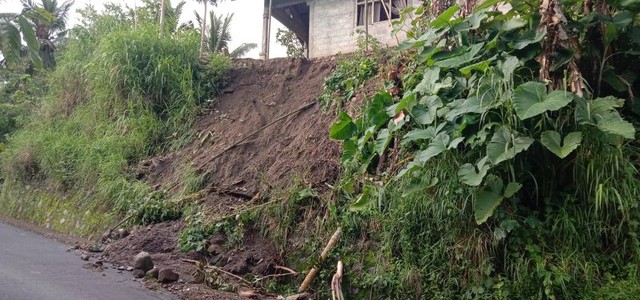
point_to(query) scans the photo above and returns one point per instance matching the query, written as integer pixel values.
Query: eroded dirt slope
(295, 148)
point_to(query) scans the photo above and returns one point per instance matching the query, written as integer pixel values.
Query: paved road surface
(33, 267)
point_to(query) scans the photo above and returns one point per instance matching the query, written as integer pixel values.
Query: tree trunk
(162, 13)
(439, 6)
(202, 30)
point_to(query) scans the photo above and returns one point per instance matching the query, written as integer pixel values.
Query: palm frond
(243, 49)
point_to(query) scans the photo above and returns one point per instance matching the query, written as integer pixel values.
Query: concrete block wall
(333, 28)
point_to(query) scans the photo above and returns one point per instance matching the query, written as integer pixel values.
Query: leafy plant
(289, 40)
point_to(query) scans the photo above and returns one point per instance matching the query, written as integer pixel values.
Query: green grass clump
(119, 94)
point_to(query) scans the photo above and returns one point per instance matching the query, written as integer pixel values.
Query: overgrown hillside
(493, 155)
(118, 94)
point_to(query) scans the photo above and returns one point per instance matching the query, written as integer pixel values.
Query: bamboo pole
(323, 256)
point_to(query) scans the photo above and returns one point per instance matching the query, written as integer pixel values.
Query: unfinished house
(328, 27)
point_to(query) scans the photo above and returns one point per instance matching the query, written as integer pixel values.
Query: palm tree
(203, 24)
(13, 29)
(47, 30)
(219, 36)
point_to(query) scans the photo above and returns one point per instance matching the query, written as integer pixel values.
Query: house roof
(293, 14)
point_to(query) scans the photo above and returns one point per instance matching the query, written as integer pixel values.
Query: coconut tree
(47, 30)
(14, 28)
(218, 36)
(203, 24)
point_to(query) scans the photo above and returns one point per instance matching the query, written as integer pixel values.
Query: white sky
(246, 25)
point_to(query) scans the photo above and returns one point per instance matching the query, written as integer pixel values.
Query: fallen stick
(303, 107)
(107, 234)
(285, 269)
(228, 273)
(323, 256)
(336, 283)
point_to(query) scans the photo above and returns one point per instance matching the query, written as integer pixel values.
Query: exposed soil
(295, 148)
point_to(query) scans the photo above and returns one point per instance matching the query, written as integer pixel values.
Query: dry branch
(336, 283)
(323, 256)
(303, 107)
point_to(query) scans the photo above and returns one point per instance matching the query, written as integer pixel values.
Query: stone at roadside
(167, 276)
(130, 269)
(121, 268)
(85, 256)
(143, 261)
(138, 273)
(154, 273)
(96, 248)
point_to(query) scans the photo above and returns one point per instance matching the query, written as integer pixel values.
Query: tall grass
(118, 95)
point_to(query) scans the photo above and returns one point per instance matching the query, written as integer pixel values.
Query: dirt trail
(297, 148)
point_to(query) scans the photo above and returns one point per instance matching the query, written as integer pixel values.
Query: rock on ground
(167, 276)
(143, 262)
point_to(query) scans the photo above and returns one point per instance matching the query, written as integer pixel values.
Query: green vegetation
(119, 93)
(482, 182)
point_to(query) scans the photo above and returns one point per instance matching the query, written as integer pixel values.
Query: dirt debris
(297, 148)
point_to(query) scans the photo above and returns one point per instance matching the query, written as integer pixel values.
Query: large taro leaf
(467, 56)
(488, 199)
(382, 141)
(343, 129)
(602, 113)
(473, 175)
(421, 134)
(531, 99)
(438, 145)
(504, 145)
(553, 141)
(425, 112)
(491, 195)
(428, 83)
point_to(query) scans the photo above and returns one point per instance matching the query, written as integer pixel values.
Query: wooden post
(266, 29)
(366, 25)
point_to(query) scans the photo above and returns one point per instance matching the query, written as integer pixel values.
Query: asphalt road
(33, 267)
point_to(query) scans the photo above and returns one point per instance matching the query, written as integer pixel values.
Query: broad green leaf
(407, 102)
(491, 195)
(512, 23)
(532, 37)
(444, 18)
(438, 145)
(364, 139)
(29, 36)
(531, 99)
(553, 141)
(343, 129)
(504, 146)
(487, 200)
(467, 56)
(511, 189)
(455, 142)
(376, 113)
(508, 67)
(422, 134)
(602, 113)
(364, 201)
(382, 141)
(481, 66)
(429, 79)
(428, 116)
(473, 175)
(349, 150)
(419, 184)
